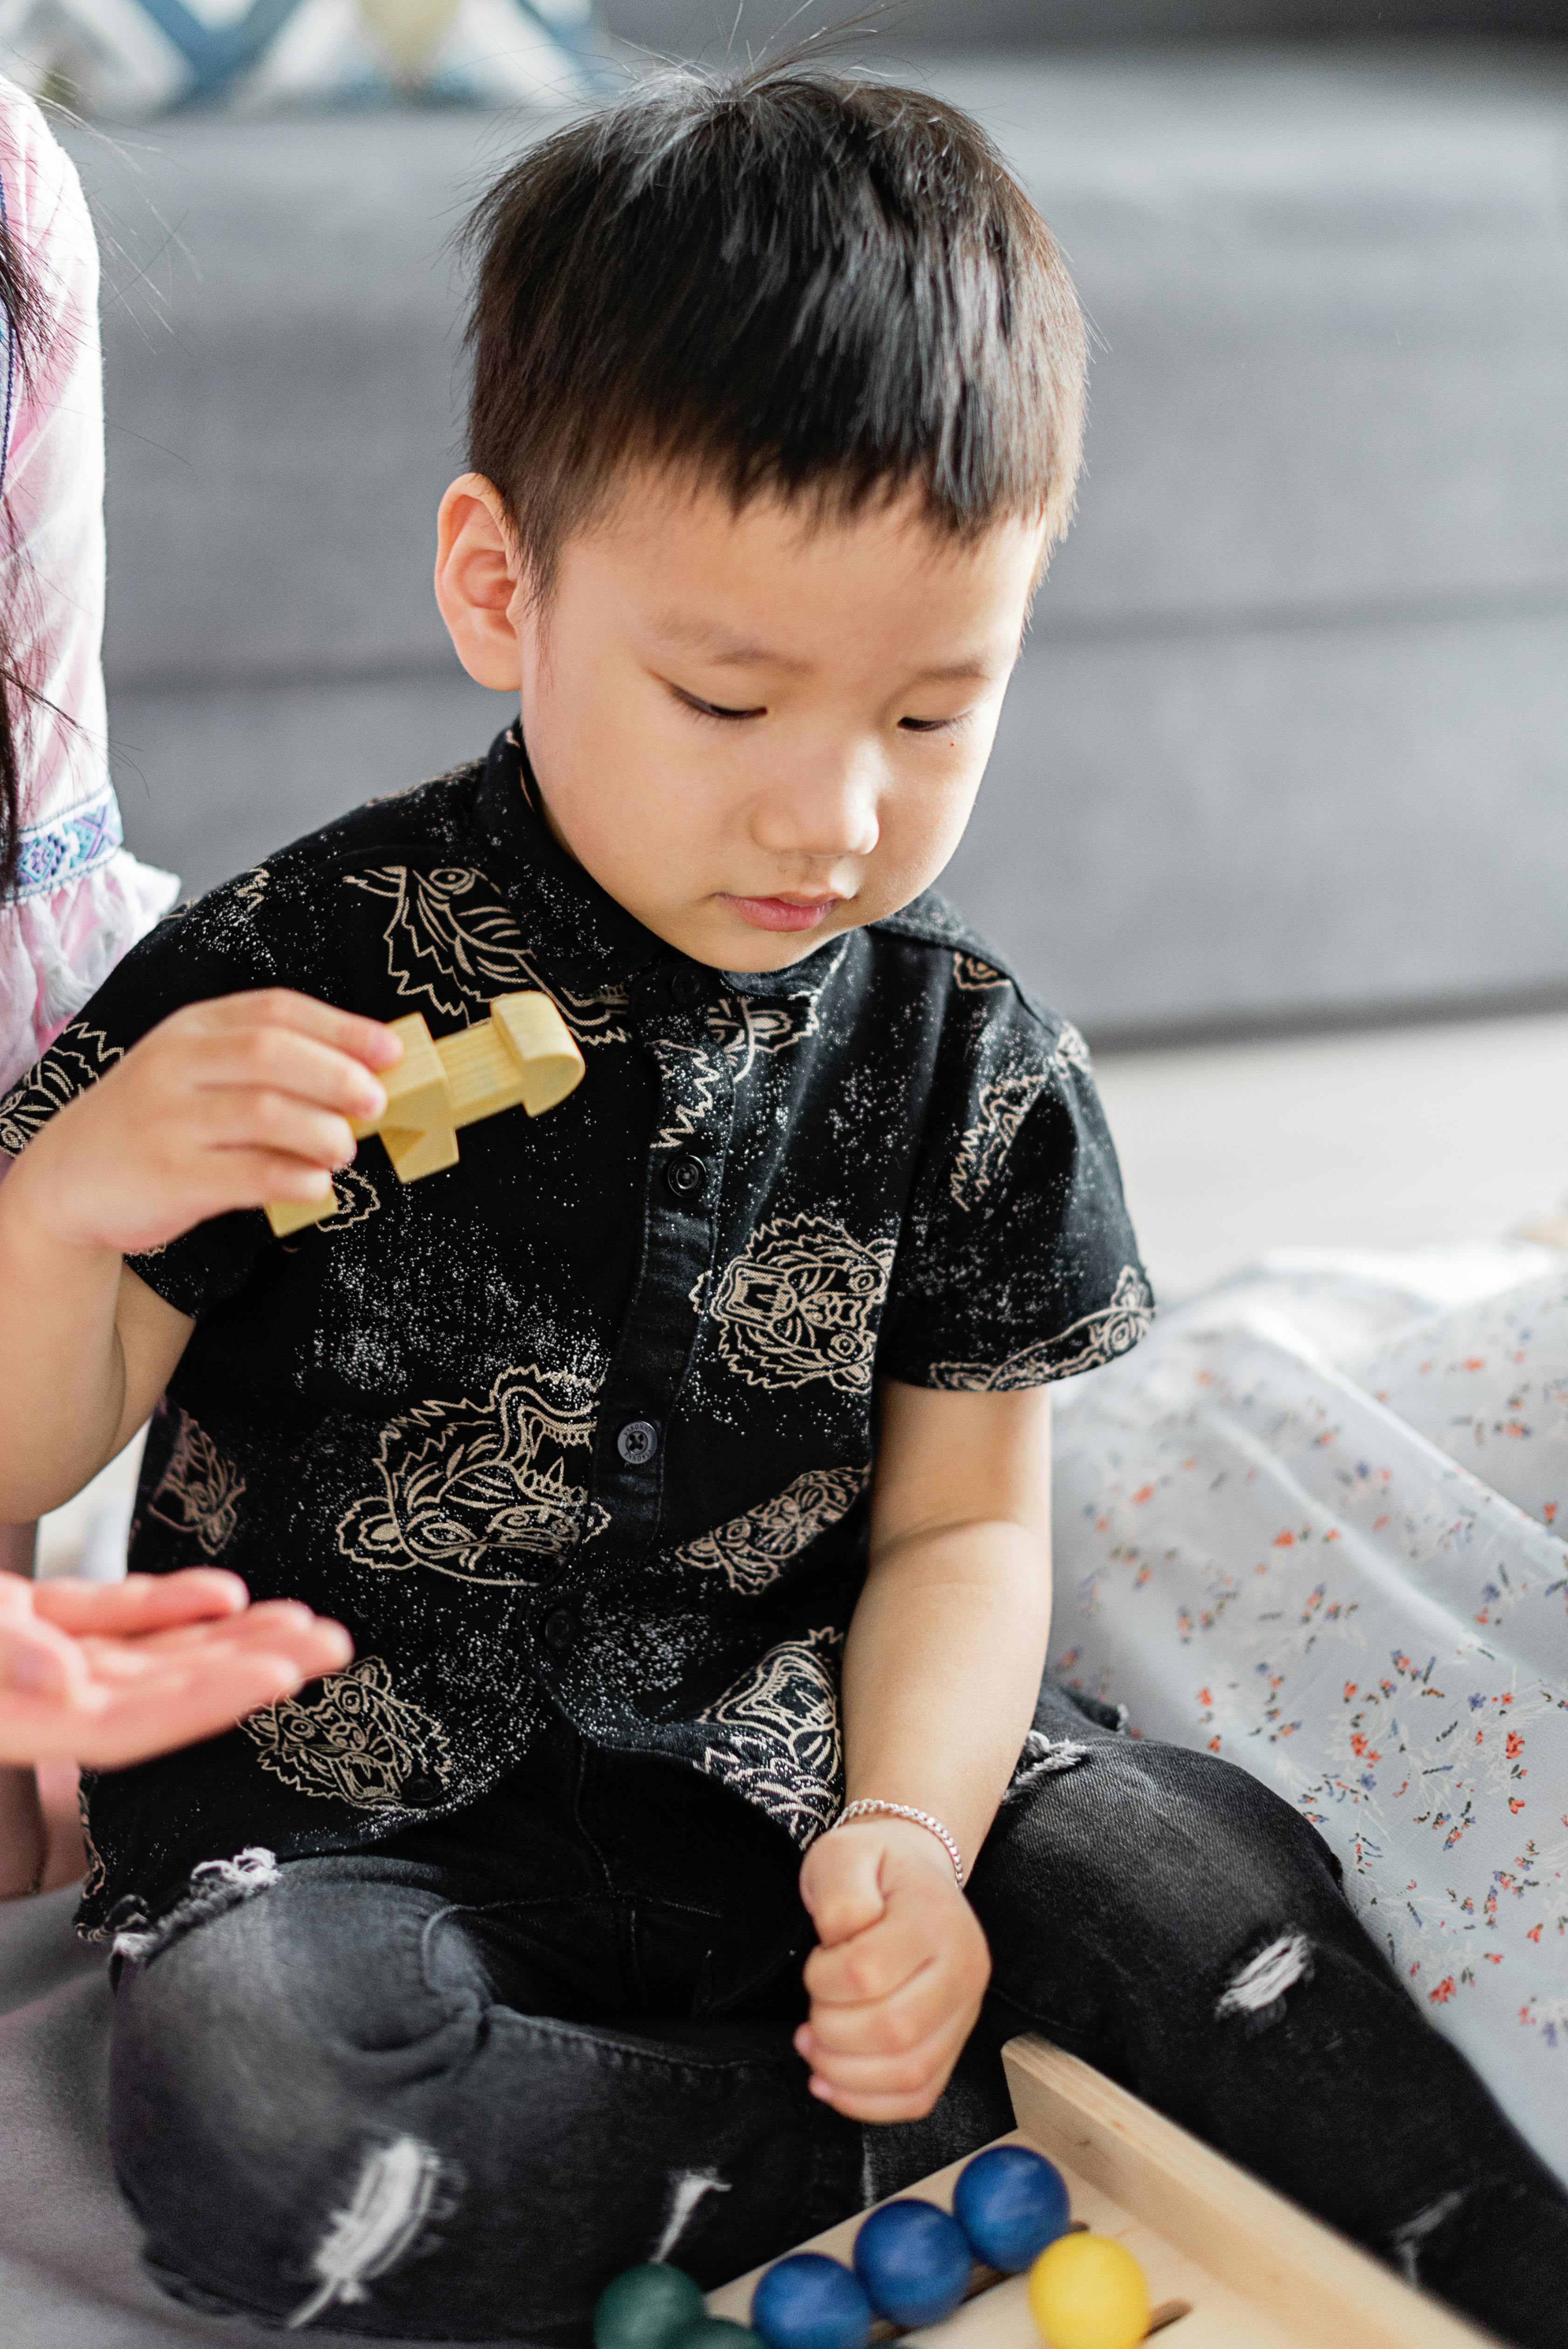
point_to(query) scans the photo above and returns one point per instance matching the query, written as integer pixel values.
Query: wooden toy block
(1230, 2264)
(417, 1128)
(524, 1053)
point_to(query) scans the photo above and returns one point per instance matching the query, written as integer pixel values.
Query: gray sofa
(1292, 735)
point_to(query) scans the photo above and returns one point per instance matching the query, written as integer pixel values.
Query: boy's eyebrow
(724, 651)
(717, 645)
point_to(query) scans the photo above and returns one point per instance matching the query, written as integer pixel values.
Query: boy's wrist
(910, 1829)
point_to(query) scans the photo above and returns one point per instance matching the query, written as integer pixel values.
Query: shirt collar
(590, 939)
(587, 934)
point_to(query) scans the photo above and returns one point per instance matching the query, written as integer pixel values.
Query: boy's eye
(695, 701)
(931, 725)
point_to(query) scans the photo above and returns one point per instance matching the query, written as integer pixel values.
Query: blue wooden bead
(1010, 2203)
(914, 2262)
(809, 2302)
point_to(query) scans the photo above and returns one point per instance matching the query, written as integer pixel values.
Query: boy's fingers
(286, 1061)
(879, 2109)
(889, 2026)
(369, 1040)
(840, 1886)
(250, 1178)
(873, 1963)
(905, 2074)
(272, 1122)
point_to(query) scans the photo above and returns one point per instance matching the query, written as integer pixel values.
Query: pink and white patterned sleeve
(81, 898)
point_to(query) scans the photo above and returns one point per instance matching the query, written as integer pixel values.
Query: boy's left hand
(899, 1973)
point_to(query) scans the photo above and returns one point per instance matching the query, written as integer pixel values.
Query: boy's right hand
(224, 1105)
(109, 1673)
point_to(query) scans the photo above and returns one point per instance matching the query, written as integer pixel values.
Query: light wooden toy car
(1229, 2263)
(523, 1053)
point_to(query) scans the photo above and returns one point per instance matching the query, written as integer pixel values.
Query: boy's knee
(1170, 1860)
(255, 2059)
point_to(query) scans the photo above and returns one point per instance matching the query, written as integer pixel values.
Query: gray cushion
(1292, 731)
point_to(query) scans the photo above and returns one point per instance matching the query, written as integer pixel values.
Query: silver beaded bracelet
(868, 1808)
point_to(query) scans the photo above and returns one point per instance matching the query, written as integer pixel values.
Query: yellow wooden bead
(1087, 2291)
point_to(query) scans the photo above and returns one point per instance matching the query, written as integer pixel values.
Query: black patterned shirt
(589, 1418)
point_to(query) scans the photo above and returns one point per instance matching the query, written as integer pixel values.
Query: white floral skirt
(1315, 1524)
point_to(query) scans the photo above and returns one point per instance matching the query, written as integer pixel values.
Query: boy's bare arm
(942, 1670)
(90, 1348)
(224, 1105)
(944, 1656)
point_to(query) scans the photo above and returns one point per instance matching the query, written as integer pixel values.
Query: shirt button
(685, 1176)
(560, 1630)
(687, 987)
(422, 1791)
(637, 1443)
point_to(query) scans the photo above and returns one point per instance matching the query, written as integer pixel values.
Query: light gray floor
(1403, 1139)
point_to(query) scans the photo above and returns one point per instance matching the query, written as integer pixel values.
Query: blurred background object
(128, 60)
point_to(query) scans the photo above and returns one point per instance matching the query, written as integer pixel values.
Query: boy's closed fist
(225, 1104)
(898, 1975)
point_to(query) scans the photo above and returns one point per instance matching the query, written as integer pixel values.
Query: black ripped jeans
(525, 2048)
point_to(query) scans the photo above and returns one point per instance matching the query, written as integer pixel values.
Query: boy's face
(754, 730)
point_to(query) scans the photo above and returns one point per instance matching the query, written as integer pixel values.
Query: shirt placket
(681, 1191)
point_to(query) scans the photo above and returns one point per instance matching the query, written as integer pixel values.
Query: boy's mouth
(781, 913)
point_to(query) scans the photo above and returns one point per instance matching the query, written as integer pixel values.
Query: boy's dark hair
(786, 281)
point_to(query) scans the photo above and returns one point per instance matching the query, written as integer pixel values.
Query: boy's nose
(823, 810)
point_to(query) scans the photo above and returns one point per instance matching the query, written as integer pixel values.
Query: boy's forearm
(62, 1367)
(942, 1670)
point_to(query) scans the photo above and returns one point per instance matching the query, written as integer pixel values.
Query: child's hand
(224, 1105)
(108, 1673)
(897, 1979)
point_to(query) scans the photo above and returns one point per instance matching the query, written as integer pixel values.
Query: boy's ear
(478, 577)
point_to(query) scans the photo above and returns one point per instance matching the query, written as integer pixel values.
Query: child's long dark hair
(18, 327)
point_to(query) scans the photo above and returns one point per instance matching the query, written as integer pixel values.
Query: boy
(680, 1462)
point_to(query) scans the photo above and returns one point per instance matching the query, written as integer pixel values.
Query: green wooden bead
(651, 2307)
(720, 2333)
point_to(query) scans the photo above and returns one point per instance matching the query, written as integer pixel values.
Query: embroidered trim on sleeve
(76, 1060)
(1097, 1338)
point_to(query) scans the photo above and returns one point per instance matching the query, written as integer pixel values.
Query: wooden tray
(1231, 2264)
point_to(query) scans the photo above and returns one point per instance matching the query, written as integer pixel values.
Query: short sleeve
(216, 948)
(1017, 1263)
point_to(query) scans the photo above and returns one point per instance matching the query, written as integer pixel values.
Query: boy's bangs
(788, 283)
